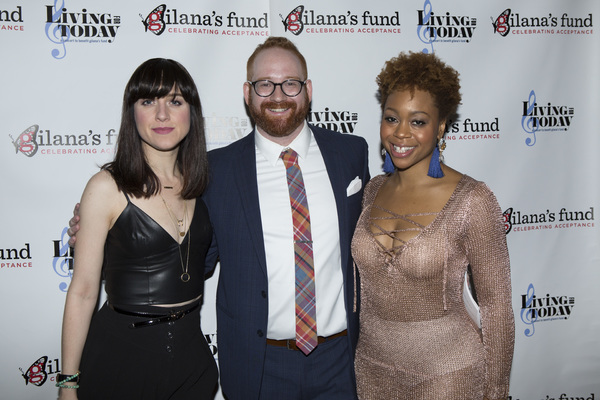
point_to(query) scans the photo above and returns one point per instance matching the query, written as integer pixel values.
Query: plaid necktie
(306, 311)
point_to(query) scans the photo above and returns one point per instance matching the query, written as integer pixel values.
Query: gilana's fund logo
(15, 258)
(155, 21)
(293, 22)
(564, 396)
(11, 20)
(310, 21)
(501, 25)
(546, 308)
(37, 374)
(517, 221)
(469, 129)
(509, 21)
(176, 21)
(25, 142)
(34, 141)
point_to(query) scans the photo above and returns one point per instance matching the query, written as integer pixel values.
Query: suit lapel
(247, 185)
(335, 170)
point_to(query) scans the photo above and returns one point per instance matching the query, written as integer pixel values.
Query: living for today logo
(438, 27)
(343, 121)
(513, 22)
(546, 308)
(224, 129)
(62, 260)
(541, 116)
(85, 25)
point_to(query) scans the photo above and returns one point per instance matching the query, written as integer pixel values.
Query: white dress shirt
(277, 226)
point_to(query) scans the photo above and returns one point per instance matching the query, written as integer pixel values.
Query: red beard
(277, 126)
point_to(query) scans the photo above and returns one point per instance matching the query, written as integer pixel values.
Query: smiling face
(164, 122)
(410, 129)
(278, 117)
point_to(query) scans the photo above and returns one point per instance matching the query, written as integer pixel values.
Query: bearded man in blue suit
(249, 206)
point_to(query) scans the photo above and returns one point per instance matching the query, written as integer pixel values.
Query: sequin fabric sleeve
(487, 253)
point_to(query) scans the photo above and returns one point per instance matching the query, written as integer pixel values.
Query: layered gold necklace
(180, 226)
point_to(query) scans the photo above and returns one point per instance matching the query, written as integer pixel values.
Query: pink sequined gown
(416, 339)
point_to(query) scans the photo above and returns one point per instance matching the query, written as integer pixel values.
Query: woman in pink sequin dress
(423, 225)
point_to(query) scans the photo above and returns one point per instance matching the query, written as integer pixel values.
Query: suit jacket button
(260, 333)
(263, 294)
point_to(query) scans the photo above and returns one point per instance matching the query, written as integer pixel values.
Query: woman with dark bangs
(145, 231)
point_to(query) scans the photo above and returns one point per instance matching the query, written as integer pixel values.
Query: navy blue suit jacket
(242, 292)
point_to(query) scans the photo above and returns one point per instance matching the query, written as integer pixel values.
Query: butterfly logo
(36, 374)
(293, 21)
(155, 22)
(506, 215)
(501, 24)
(25, 142)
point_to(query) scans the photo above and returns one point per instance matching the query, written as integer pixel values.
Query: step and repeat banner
(527, 126)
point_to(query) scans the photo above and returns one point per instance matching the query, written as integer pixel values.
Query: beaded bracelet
(62, 379)
(62, 385)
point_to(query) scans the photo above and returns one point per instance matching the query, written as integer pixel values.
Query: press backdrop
(527, 126)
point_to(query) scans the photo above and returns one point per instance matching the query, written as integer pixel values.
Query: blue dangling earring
(388, 165)
(435, 169)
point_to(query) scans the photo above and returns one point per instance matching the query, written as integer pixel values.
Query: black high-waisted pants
(169, 360)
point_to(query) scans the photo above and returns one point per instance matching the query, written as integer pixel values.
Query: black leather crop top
(141, 260)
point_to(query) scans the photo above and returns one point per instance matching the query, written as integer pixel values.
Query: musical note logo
(427, 34)
(55, 33)
(529, 122)
(527, 313)
(62, 262)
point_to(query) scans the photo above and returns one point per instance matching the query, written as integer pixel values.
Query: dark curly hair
(426, 72)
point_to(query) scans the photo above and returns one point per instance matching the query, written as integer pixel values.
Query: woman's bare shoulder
(102, 195)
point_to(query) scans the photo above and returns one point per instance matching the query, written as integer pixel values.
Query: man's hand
(73, 226)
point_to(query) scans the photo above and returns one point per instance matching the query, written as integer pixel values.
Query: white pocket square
(354, 187)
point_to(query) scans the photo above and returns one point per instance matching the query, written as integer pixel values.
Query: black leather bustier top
(142, 265)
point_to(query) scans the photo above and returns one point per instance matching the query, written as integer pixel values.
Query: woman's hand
(73, 226)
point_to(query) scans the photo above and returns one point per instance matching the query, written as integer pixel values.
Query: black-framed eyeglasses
(289, 87)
